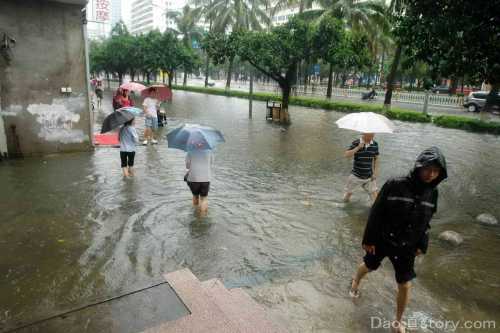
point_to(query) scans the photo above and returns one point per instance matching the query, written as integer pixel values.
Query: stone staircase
(215, 309)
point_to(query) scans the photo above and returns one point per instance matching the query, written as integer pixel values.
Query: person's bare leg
(373, 196)
(125, 172)
(203, 205)
(131, 171)
(360, 273)
(347, 196)
(147, 134)
(196, 200)
(402, 301)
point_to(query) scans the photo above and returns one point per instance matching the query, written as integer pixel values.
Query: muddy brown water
(73, 230)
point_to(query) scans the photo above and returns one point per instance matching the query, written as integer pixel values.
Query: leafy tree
(171, 55)
(151, 53)
(237, 15)
(328, 39)
(456, 38)
(276, 54)
(118, 49)
(221, 48)
(187, 28)
(98, 57)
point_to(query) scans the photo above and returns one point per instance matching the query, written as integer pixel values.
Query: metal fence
(397, 96)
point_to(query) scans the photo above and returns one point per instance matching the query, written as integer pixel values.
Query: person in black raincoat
(398, 224)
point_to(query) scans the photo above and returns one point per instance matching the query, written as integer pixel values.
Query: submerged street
(74, 230)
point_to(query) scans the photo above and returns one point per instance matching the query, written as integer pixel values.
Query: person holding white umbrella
(364, 150)
(365, 166)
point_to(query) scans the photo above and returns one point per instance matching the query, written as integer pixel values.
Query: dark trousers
(127, 158)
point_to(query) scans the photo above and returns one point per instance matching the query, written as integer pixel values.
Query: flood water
(73, 230)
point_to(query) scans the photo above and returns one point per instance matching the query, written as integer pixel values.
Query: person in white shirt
(199, 164)
(150, 105)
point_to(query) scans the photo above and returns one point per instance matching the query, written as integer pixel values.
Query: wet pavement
(73, 230)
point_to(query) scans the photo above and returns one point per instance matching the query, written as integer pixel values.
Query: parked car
(441, 90)
(477, 99)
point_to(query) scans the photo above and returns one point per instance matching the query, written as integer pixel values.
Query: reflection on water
(73, 229)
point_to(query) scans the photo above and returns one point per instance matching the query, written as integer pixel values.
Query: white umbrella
(366, 122)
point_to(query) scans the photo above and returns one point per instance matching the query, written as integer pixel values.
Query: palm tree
(187, 27)
(363, 16)
(237, 15)
(209, 16)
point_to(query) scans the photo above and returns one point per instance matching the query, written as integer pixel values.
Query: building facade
(44, 93)
(148, 15)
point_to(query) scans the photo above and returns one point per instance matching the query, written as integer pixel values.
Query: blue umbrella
(132, 109)
(191, 137)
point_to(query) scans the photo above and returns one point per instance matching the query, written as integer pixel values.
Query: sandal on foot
(354, 293)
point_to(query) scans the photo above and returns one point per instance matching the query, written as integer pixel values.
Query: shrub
(468, 124)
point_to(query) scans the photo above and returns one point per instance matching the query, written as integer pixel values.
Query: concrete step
(240, 308)
(205, 315)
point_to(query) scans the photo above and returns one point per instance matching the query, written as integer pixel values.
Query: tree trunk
(250, 95)
(330, 79)
(392, 76)
(170, 78)
(453, 85)
(229, 73)
(184, 82)
(207, 64)
(132, 76)
(492, 98)
(285, 99)
(120, 78)
(147, 77)
(382, 60)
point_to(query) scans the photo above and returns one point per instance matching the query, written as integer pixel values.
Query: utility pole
(251, 95)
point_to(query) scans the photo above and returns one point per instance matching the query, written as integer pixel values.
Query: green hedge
(468, 124)
(448, 121)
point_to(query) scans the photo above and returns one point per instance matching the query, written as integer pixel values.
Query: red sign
(102, 10)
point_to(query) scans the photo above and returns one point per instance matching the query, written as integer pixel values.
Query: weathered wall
(49, 54)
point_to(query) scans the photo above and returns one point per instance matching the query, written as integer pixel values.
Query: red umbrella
(158, 91)
(133, 86)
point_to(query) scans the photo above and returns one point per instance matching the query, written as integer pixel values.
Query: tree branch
(277, 78)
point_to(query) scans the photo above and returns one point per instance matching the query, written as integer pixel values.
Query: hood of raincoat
(430, 156)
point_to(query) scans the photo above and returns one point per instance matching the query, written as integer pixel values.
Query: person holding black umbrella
(128, 135)
(128, 138)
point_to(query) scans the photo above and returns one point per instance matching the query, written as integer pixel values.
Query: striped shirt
(364, 159)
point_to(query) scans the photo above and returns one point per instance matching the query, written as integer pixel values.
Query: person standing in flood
(150, 105)
(398, 224)
(199, 165)
(128, 139)
(365, 166)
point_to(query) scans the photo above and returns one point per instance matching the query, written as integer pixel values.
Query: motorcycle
(370, 95)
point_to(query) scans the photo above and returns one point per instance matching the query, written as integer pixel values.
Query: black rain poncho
(400, 216)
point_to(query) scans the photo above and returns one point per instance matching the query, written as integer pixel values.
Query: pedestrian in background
(150, 105)
(99, 94)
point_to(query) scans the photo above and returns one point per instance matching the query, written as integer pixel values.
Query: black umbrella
(115, 120)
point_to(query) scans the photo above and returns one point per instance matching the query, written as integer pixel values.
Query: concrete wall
(49, 54)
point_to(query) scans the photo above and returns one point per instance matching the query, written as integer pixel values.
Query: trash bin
(273, 110)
